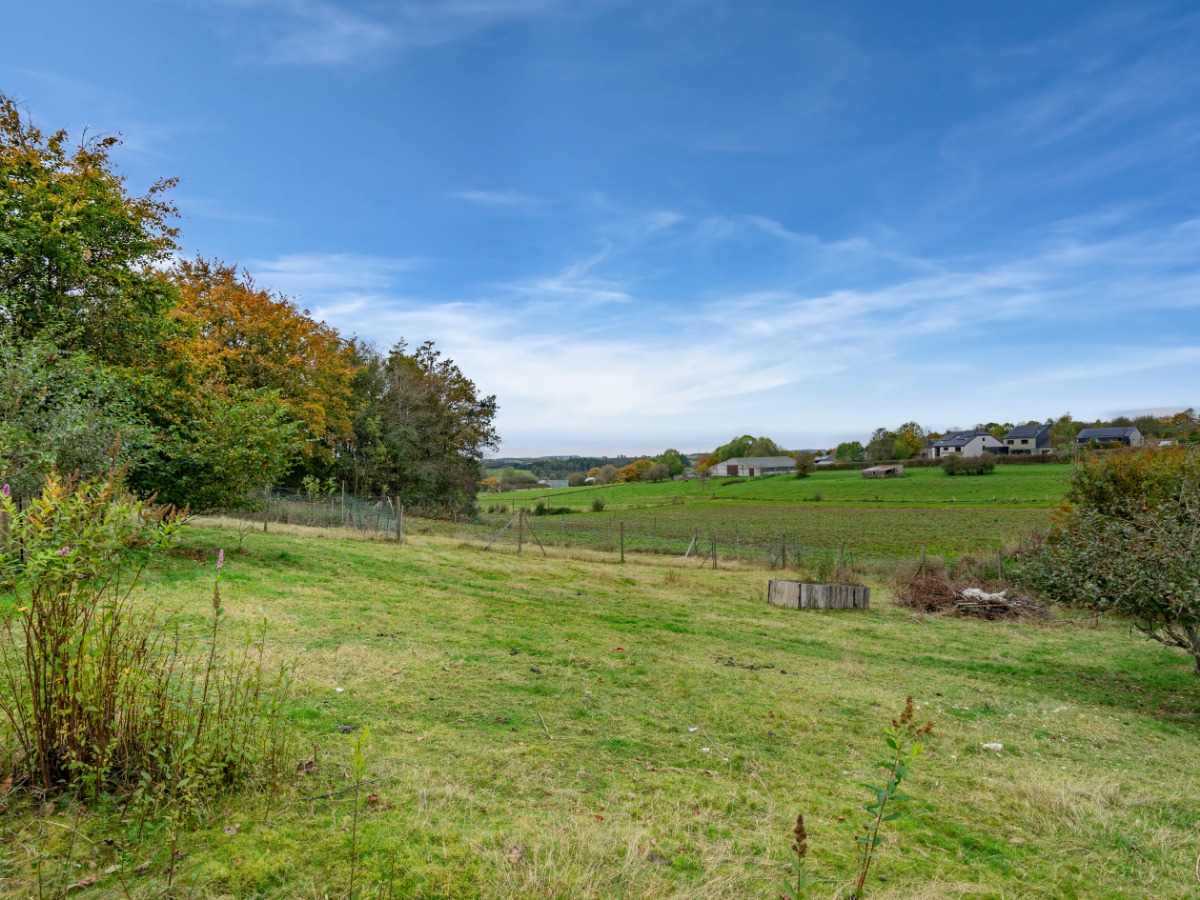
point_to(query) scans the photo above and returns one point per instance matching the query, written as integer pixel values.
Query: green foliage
(852, 451)
(957, 464)
(598, 505)
(805, 465)
(421, 427)
(1126, 543)
(674, 462)
(235, 441)
(63, 411)
(746, 445)
(78, 254)
(98, 697)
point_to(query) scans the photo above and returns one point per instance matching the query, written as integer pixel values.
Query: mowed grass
(1027, 485)
(571, 727)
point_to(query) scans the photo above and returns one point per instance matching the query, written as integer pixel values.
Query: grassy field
(1014, 485)
(570, 727)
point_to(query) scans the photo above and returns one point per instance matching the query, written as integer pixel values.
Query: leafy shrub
(543, 509)
(1126, 543)
(969, 465)
(598, 505)
(728, 481)
(98, 696)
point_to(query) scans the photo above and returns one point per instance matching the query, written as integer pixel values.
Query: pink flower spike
(64, 551)
(7, 491)
(220, 558)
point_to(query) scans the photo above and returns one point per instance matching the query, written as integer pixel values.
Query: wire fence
(701, 544)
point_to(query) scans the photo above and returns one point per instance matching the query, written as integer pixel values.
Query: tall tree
(423, 427)
(78, 253)
(262, 341)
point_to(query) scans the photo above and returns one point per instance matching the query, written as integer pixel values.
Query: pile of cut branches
(939, 592)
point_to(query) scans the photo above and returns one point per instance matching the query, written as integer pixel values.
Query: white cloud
(501, 198)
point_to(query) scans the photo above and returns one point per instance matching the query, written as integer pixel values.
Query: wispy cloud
(500, 198)
(332, 34)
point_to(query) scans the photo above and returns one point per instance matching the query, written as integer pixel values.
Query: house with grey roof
(754, 466)
(965, 443)
(1029, 440)
(1127, 435)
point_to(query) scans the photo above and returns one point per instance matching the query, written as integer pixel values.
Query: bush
(99, 697)
(969, 465)
(1126, 544)
(598, 505)
(542, 509)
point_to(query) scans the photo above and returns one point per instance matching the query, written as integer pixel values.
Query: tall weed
(99, 696)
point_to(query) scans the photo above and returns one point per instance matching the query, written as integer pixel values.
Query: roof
(759, 462)
(1106, 434)
(960, 438)
(884, 468)
(1027, 431)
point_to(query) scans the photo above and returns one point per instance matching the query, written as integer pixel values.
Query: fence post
(1000, 560)
(343, 503)
(714, 552)
(622, 540)
(783, 552)
(737, 543)
(266, 506)
(400, 524)
(520, 530)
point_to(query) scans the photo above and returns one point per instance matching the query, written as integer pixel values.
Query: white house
(966, 443)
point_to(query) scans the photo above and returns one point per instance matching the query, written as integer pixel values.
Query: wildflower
(6, 491)
(64, 551)
(220, 558)
(800, 848)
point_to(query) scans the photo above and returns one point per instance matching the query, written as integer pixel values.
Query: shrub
(97, 695)
(969, 465)
(598, 505)
(1126, 544)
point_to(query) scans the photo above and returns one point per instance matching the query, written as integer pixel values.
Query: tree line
(201, 384)
(907, 441)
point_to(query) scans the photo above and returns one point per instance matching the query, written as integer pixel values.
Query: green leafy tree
(882, 445)
(422, 428)
(851, 451)
(674, 462)
(805, 465)
(78, 253)
(1126, 543)
(66, 412)
(746, 445)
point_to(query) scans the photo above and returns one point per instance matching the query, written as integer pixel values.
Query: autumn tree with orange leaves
(263, 341)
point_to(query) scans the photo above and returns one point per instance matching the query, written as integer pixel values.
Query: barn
(754, 466)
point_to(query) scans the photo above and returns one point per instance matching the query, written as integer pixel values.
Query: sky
(666, 223)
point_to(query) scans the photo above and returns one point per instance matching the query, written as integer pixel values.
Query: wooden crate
(800, 595)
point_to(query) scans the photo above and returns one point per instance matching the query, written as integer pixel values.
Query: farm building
(966, 443)
(893, 471)
(1028, 440)
(1129, 436)
(754, 466)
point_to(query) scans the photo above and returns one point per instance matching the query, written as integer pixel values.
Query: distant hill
(558, 466)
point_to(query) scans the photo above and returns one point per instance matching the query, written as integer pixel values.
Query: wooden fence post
(266, 506)
(622, 541)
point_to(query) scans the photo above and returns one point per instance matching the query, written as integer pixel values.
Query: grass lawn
(570, 727)
(1011, 485)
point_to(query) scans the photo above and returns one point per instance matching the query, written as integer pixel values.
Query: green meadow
(571, 727)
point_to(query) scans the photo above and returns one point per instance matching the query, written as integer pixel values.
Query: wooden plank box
(800, 595)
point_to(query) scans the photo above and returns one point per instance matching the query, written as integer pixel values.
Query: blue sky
(649, 224)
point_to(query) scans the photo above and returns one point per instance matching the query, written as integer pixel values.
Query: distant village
(884, 454)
